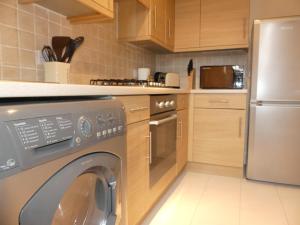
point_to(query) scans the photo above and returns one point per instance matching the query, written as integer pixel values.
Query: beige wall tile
(28, 74)
(54, 17)
(8, 15)
(100, 56)
(41, 26)
(40, 41)
(27, 58)
(26, 40)
(8, 36)
(10, 73)
(10, 56)
(54, 29)
(26, 21)
(41, 12)
(29, 8)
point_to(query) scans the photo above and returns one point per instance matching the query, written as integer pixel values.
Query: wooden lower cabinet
(137, 171)
(182, 139)
(218, 136)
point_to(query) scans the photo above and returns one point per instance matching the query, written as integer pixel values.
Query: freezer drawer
(274, 144)
(275, 60)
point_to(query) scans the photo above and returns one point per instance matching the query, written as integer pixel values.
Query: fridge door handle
(259, 103)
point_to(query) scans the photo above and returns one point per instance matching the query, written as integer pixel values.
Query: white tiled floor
(203, 199)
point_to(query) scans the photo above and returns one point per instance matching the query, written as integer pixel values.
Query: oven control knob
(160, 105)
(172, 103)
(85, 127)
(167, 104)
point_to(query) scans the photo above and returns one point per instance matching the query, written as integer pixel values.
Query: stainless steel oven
(163, 132)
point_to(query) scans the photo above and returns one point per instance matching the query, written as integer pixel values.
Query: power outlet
(39, 58)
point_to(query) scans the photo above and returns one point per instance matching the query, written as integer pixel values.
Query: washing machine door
(84, 192)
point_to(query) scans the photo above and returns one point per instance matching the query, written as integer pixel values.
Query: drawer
(182, 101)
(220, 101)
(137, 107)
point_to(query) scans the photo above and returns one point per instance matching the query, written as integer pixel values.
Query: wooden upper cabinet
(170, 23)
(150, 27)
(145, 3)
(211, 24)
(187, 24)
(79, 11)
(158, 19)
(224, 24)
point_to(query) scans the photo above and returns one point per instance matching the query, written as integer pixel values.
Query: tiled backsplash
(25, 29)
(178, 62)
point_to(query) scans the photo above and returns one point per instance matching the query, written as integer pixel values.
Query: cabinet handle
(169, 28)
(155, 20)
(218, 101)
(180, 129)
(240, 127)
(244, 28)
(150, 147)
(137, 109)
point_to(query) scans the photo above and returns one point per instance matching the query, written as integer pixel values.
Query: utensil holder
(57, 72)
(192, 80)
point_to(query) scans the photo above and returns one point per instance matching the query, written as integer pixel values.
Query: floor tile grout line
(282, 205)
(201, 196)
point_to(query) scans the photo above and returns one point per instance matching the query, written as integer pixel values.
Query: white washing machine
(62, 162)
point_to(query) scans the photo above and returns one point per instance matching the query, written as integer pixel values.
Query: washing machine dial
(85, 127)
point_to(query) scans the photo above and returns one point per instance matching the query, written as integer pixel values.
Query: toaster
(171, 80)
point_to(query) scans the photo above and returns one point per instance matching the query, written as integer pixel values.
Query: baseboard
(215, 169)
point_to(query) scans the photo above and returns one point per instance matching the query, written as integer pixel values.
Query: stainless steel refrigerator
(274, 121)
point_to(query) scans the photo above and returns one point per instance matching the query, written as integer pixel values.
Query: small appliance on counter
(222, 77)
(171, 80)
(144, 73)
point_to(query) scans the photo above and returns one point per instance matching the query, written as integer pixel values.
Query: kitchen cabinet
(224, 24)
(182, 131)
(149, 27)
(211, 24)
(79, 11)
(170, 23)
(182, 139)
(137, 109)
(219, 129)
(137, 171)
(187, 24)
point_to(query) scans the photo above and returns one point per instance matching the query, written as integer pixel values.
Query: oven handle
(159, 122)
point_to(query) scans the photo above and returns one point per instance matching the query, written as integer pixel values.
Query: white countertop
(11, 89)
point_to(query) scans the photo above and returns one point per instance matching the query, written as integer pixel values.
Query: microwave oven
(222, 77)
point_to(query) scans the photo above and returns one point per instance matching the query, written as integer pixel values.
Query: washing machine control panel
(36, 133)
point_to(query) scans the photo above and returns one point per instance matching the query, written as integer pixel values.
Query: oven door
(163, 144)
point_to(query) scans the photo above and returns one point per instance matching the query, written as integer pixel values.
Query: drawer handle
(137, 109)
(180, 129)
(240, 127)
(150, 148)
(218, 101)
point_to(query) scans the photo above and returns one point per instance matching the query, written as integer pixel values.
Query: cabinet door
(182, 139)
(219, 136)
(187, 24)
(137, 171)
(170, 23)
(145, 3)
(224, 23)
(158, 19)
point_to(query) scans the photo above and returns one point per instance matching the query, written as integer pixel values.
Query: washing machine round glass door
(87, 201)
(84, 192)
